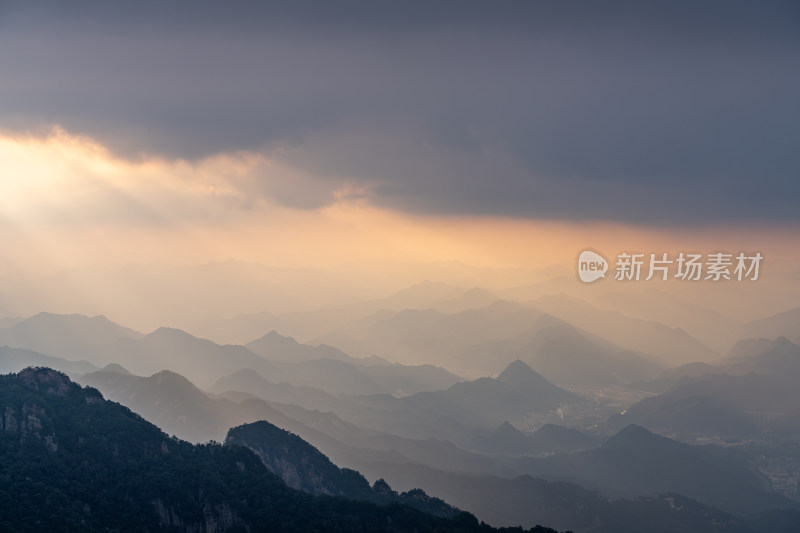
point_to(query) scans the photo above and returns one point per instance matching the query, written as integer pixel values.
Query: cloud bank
(670, 114)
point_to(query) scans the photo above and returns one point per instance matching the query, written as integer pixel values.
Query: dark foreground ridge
(301, 466)
(73, 461)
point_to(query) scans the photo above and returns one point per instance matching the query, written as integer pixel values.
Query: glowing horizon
(66, 194)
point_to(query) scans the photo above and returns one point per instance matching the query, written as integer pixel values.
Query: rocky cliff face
(216, 518)
(303, 467)
(297, 463)
(26, 420)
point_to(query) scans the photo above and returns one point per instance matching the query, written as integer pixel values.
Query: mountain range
(74, 461)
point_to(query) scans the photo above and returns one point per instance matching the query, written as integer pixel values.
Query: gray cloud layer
(663, 112)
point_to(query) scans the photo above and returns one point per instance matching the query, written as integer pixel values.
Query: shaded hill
(526, 500)
(364, 442)
(333, 371)
(174, 404)
(404, 380)
(457, 414)
(251, 382)
(636, 462)
(682, 412)
(706, 325)
(719, 404)
(418, 336)
(670, 345)
(778, 358)
(751, 391)
(550, 438)
(564, 354)
(506, 439)
(785, 324)
(74, 461)
(275, 347)
(331, 375)
(516, 392)
(74, 337)
(201, 360)
(15, 359)
(571, 357)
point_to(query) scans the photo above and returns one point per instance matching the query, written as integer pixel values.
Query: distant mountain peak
(74, 322)
(274, 341)
(634, 435)
(507, 429)
(168, 377)
(273, 334)
(116, 367)
(165, 332)
(518, 372)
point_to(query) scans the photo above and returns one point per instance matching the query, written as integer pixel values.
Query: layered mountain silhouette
(74, 461)
(335, 421)
(457, 413)
(548, 439)
(528, 500)
(487, 402)
(670, 345)
(174, 404)
(637, 462)
(356, 376)
(785, 324)
(709, 327)
(96, 465)
(73, 337)
(415, 336)
(99, 342)
(277, 348)
(251, 382)
(568, 356)
(15, 359)
(751, 391)
(177, 406)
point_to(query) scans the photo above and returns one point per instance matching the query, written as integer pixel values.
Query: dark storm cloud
(666, 112)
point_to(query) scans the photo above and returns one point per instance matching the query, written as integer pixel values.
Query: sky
(499, 134)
